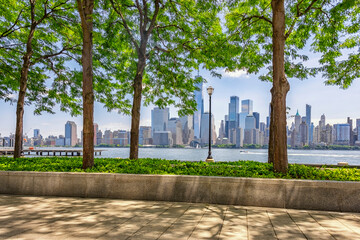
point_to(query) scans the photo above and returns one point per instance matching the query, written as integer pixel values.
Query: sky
(337, 104)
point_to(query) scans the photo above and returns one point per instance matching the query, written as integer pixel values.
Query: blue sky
(337, 104)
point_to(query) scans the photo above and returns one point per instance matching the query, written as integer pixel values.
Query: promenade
(28, 217)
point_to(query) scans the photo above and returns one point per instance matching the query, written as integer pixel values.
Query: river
(260, 155)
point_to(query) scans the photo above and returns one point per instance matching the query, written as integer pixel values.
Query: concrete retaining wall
(281, 193)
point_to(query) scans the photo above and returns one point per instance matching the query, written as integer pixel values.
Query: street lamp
(210, 91)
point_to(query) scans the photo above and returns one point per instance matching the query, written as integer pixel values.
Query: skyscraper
(308, 122)
(36, 133)
(246, 109)
(70, 133)
(297, 121)
(257, 119)
(198, 95)
(233, 121)
(205, 129)
(159, 119)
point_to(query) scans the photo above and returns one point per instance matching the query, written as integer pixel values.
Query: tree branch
(125, 24)
(47, 56)
(153, 20)
(11, 29)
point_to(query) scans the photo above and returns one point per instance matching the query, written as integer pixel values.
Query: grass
(174, 167)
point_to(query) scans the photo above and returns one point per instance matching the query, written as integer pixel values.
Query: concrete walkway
(26, 217)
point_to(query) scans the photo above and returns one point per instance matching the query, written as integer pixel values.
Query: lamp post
(210, 91)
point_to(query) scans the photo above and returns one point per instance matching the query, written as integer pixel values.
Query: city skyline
(336, 103)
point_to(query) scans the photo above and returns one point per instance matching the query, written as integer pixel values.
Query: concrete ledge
(280, 193)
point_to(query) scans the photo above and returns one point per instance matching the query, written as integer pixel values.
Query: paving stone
(26, 217)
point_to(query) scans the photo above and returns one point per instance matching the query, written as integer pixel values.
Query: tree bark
(271, 137)
(135, 111)
(22, 91)
(278, 149)
(86, 10)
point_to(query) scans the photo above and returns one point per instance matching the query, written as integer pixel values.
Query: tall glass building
(159, 119)
(308, 122)
(199, 98)
(246, 109)
(70, 133)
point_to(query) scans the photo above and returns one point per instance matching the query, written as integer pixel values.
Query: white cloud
(235, 74)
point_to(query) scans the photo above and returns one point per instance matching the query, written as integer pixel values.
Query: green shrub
(175, 167)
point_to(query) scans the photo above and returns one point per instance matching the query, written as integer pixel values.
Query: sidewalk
(26, 217)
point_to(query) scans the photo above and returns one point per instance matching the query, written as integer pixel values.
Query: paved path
(26, 217)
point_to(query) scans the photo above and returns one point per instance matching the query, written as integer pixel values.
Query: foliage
(173, 49)
(53, 44)
(175, 167)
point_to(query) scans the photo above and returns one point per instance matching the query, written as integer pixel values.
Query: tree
(38, 34)
(272, 34)
(85, 8)
(160, 43)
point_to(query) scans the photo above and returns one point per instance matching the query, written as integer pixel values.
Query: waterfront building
(108, 137)
(297, 121)
(233, 113)
(222, 130)
(322, 122)
(159, 119)
(342, 134)
(198, 95)
(70, 134)
(308, 122)
(162, 138)
(350, 122)
(246, 109)
(121, 137)
(99, 137)
(174, 126)
(257, 119)
(36, 133)
(250, 122)
(303, 132)
(205, 129)
(145, 135)
(187, 124)
(60, 141)
(239, 137)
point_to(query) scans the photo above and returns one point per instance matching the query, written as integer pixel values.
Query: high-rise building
(250, 122)
(322, 123)
(108, 137)
(358, 128)
(233, 121)
(297, 121)
(159, 119)
(198, 95)
(308, 122)
(247, 106)
(187, 124)
(174, 126)
(350, 122)
(70, 133)
(257, 119)
(36, 133)
(222, 130)
(303, 131)
(246, 109)
(205, 129)
(342, 134)
(145, 135)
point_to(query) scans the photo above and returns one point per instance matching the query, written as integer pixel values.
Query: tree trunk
(86, 10)
(20, 105)
(135, 112)
(278, 151)
(22, 93)
(271, 137)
